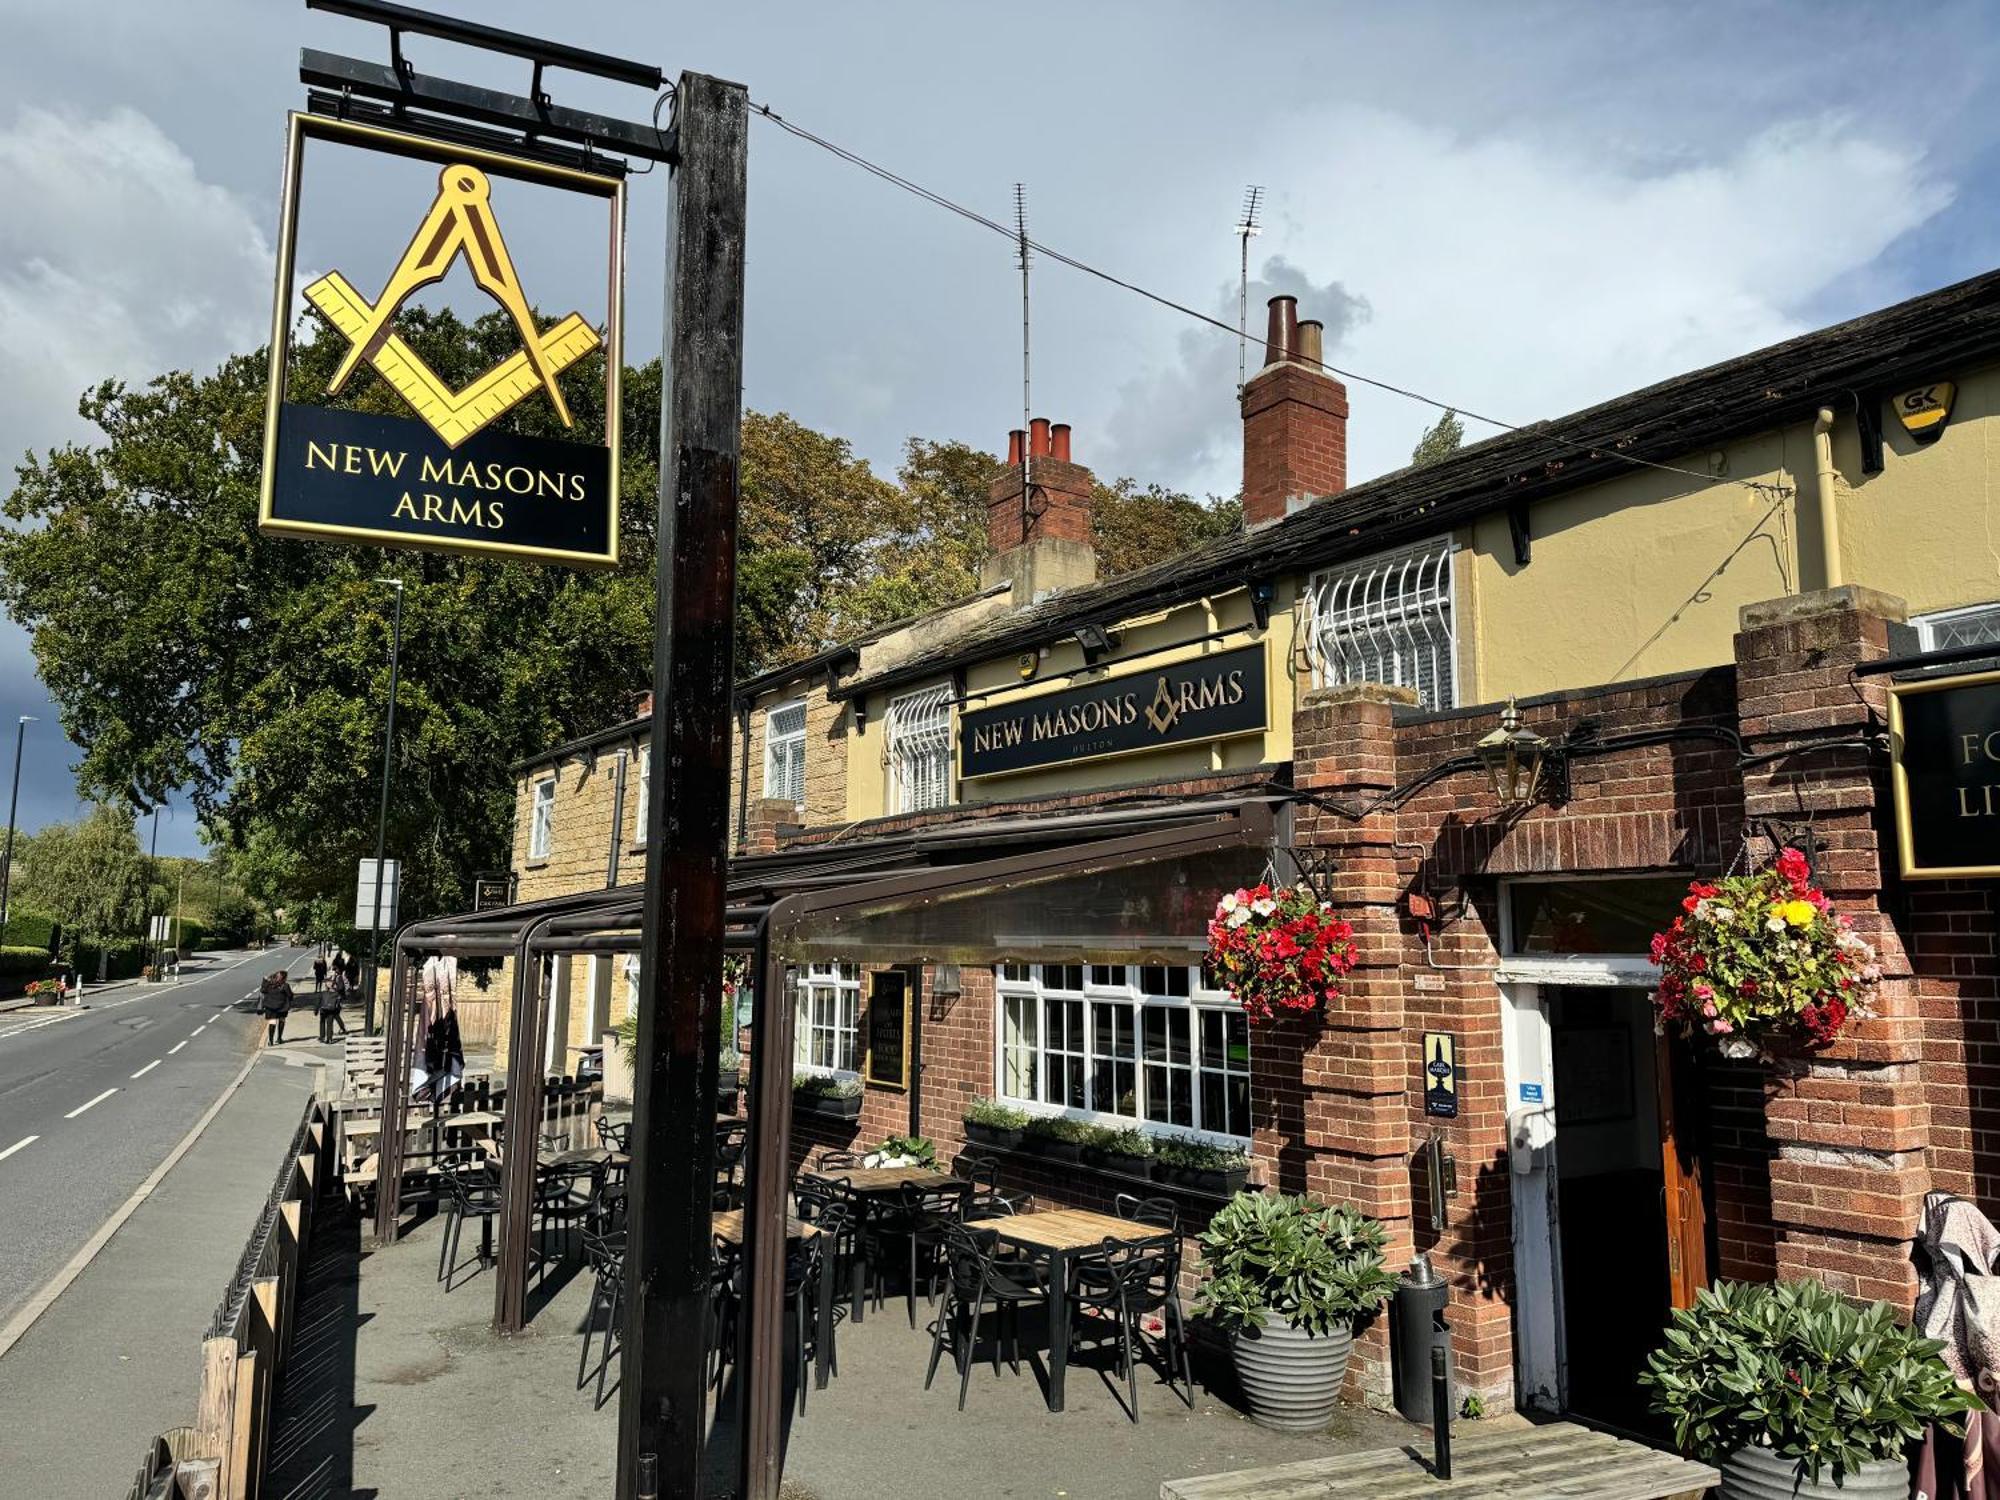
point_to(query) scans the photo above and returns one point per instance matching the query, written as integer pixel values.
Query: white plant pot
(1756, 1473)
(1291, 1380)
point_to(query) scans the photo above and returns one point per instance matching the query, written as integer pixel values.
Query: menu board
(888, 1061)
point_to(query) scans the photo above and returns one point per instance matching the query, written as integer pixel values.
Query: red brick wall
(1294, 439)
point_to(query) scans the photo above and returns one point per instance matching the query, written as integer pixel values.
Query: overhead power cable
(1596, 449)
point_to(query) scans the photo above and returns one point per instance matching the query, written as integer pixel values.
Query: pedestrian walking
(330, 1001)
(275, 1001)
(339, 961)
(319, 973)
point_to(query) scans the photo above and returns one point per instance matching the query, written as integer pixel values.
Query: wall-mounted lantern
(1512, 755)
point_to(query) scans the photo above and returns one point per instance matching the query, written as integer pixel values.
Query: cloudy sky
(1519, 209)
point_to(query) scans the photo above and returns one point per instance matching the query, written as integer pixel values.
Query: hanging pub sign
(1202, 698)
(511, 454)
(1944, 743)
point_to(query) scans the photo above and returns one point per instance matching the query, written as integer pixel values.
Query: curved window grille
(1388, 619)
(919, 740)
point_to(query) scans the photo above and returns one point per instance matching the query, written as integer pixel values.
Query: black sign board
(888, 1061)
(1945, 740)
(1203, 698)
(1441, 1075)
(444, 471)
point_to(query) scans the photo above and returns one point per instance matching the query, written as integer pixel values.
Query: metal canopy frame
(775, 903)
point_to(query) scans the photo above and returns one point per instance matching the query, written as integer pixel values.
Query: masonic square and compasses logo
(460, 222)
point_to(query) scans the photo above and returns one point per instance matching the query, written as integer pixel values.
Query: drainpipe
(1829, 518)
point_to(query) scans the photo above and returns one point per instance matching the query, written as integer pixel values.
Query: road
(92, 1100)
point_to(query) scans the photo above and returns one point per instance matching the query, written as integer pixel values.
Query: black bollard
(1440, 1413)
(649, 1477)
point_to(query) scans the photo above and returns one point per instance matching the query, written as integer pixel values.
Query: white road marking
(91, 1105)
(198, 1030)
(147, 1069)
(146, 992)
(26, 1140)
(175, 1048)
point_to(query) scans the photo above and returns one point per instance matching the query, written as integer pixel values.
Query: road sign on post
(365, 909)
(158, 933)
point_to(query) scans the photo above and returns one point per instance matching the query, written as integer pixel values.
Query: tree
(90, 876)
(1441, 439)
(1134, 528)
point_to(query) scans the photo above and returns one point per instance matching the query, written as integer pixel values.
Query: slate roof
(1934, 336)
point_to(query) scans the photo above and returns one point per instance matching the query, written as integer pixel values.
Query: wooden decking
(1488, 1462)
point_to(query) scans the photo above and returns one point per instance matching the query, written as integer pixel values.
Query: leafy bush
(995, 1115)
(1058, 1128)
(1279, 1254)
(1175, 1151)
(1798, 1368)
(16, 959)
(27, 929)
(916, 1148)
(825, 1086)
(1115, 1142)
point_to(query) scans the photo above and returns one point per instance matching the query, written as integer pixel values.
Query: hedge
(26, 929)
(127, 957)
(20, 959)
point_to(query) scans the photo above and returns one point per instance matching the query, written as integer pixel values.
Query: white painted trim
(1578, 968)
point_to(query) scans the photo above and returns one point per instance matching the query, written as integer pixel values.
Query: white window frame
(1356, 632)
(917, 725)
(775, 743)
(542, 818)
(1927, 624)
(643, 803)
(1129, 995)
(842, 983)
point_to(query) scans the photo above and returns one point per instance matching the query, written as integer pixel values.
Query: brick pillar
(1349, 1140)
(767, 814)
(1851, 1125)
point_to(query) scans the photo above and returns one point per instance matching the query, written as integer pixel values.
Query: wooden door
(1680, 1164)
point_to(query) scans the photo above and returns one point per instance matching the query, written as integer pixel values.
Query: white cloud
(1526, 277)
(116, 259)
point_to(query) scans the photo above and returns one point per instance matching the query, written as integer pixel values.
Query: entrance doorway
(1610, 1224)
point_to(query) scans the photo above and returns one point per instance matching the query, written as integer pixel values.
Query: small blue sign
(1531, 1093)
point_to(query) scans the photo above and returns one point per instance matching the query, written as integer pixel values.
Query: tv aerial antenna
(1246, 229)
(1021, 259)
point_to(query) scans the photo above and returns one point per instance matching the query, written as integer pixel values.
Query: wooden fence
(222, 1457)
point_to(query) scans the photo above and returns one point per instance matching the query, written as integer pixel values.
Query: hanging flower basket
(1762, 964)
(1278, 950)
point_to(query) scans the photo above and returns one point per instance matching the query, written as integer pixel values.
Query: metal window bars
(1387, 619)
(919, 743)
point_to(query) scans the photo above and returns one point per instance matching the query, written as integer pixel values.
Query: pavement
(405, 1380)
(114, 1357)
(93, 1098)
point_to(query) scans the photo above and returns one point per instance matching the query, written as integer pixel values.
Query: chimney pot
(1281, 338)
(1059, 441)
(1017, 442)
(1038, 438)
(1312, 339)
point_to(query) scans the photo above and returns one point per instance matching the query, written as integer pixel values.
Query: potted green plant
(1200, 1165)
(1287, 1279)
(827, 1094)
(1116, 1150)
(1056, 1137)
(1793, 1390)
(728, 1080)
(902, 1151)
(992, 1123)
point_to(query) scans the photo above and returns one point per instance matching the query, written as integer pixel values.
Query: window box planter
(1057, 1139)
(1220, 1182)
(1127, 1152)
(831, 1098)
(1053, 1150)
(1005, 1138)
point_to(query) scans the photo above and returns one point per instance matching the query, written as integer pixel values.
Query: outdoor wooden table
(1059, 1236)
(870, 1185)
(728, 1225)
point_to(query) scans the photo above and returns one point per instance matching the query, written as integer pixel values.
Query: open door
(1682, 1188)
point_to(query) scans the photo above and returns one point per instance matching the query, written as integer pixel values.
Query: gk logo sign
(455, 478)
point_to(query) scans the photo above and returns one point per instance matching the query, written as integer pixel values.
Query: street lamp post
(13, 807)
(152, 874)
(382, 818)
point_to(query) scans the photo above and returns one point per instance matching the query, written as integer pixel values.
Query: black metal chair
(837, 1161)
(976, 1280)
(914, 1220)
(1117, 1289)
(604, 1252)
(732, 1142)
(1162, 1213)
(982, 1174)
(469, 1193)
(614, 1137)
(564, 1193)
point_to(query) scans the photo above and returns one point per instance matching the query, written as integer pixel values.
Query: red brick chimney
(1294, 422)
(1038, 516)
